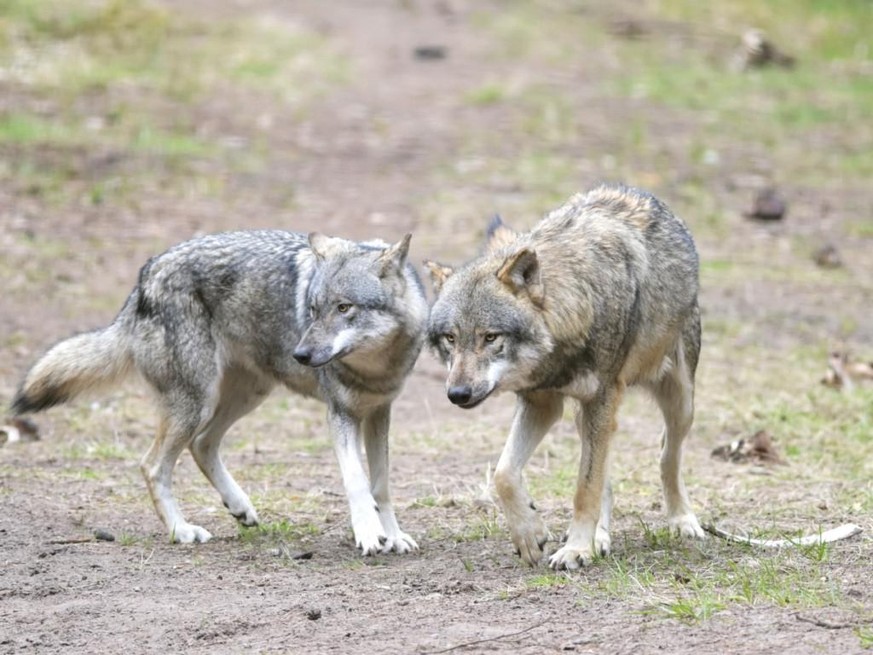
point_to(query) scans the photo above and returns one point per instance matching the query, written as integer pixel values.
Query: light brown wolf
(600, 295)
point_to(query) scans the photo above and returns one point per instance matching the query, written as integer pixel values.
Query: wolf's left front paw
(244, 513)
(400, 543)
(687, 526)
(571, 558)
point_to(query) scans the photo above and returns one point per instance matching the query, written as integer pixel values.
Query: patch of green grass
(86, 45)
(279, 531)
(815, 28)
(549, 580)
(715, 576)
(126, 539)
(625, 578)
(862, 228)
(689, 609)
(28, 129)
(150, 140)
(478, 528)
(560, 481)
(95, 451)
(487, 94)
(90, 474)
(865, 636)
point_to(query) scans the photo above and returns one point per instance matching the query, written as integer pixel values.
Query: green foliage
(283, 530)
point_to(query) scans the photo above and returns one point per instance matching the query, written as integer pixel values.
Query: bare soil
(62, 590)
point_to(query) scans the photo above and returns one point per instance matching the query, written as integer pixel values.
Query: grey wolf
(215, 323)
(600, 295)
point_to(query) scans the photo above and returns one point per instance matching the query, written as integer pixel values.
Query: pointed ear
(393, 258)
(498, 235)
(438, 274)
(324, 246)
(520, 272)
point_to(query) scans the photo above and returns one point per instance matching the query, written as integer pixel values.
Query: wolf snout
(460, 394)
(303, 355)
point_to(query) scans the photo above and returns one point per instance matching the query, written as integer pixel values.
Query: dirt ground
(366, 158)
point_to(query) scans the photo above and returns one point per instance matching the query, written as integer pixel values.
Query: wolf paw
(186, 533)
(571, 558)
(371, 544)
(686, 526)
(400, 543)
(602, 542)
(246, 515)
(529, 543)
(369, 534)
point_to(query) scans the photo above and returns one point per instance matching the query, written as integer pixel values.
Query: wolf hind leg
(535, 413)
(674, 393)
(376, 427)
(175, 432)
(239, 394)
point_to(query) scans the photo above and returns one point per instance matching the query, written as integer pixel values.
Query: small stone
(768, 206)
(430, 52)
(103, 535)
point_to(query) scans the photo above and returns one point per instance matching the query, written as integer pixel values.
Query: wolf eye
(450, 338)
(312, 311)
(491, 337)
(343, 307)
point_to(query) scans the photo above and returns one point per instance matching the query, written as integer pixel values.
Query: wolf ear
(393, 258)
(521, 273)
(498, 235)
(324, 246)
(438, 274)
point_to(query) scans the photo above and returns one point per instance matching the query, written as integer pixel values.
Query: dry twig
(482, 641)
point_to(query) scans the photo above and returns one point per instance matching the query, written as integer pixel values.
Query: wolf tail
(85, 362)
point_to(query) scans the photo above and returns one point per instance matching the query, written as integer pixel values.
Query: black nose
(460, 395)
(303, 355)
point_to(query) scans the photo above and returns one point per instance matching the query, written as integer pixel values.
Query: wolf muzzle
(465, 397)
(460, 394)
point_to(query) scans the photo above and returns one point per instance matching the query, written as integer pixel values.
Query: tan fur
(599, 295)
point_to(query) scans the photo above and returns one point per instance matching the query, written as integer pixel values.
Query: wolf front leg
(592, 505)
(376, 427)
(346, 432)
(535, 413)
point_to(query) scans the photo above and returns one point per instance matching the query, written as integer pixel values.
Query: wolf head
(487, 324)
(355, 300)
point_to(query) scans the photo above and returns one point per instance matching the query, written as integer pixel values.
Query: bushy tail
(85, 362)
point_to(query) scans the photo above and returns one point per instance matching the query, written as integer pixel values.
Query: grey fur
(215, 323)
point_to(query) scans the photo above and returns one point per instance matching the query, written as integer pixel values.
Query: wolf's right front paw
(186, 533)
(369, 535)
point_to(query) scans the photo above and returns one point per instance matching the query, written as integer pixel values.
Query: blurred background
(129, 125)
